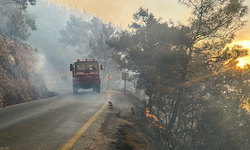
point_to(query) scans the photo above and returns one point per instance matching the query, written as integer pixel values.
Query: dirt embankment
(132, 129)
(123, 126)
(20, 75)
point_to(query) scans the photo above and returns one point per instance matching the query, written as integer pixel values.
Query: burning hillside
(20, 77)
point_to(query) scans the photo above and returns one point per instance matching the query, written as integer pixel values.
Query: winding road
(50, 123)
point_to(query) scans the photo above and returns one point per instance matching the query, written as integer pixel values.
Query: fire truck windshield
(86, 66)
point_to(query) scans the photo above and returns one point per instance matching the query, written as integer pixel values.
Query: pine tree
(18, 28)
(194, 87)
(21, 4)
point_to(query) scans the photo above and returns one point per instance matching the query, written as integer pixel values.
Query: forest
(189, 73)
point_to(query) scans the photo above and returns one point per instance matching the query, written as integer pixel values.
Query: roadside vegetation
(89, 38)
(21, 79)
(197, 93)
(197, 96)
(16, 20)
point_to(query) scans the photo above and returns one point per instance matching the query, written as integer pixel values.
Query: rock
(21, 79)
(110, 105)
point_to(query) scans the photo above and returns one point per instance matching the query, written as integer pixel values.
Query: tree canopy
(22, 4)
(90, 38)
(190, 76)
(17, 21)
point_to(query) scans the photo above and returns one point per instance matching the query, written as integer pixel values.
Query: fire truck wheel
(98, 89)
(75, 89)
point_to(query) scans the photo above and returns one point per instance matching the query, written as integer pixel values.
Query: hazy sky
(120, 12)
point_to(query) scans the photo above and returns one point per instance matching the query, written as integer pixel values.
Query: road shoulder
(118, 127)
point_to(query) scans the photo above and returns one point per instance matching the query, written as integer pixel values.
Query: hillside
(20, 76)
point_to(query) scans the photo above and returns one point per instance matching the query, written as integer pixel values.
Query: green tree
(90, 38)
(214, 20)
(18, 25)
(22, 4)
(75, 32)
(190, 77)
(100, 50)
(78, 33)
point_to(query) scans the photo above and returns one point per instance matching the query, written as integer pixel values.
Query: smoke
(53, 56)
(120, 12)
(243, 34)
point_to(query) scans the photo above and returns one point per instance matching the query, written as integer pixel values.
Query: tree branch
(8, 3)
(194, 5)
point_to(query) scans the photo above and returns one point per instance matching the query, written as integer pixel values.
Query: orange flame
(155, 119)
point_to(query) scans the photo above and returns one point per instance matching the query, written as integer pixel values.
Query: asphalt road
(48, 123)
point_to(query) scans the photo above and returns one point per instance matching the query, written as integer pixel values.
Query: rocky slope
(20, 75)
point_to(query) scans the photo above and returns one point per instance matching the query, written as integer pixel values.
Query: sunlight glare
(245, 44)
(244, 60)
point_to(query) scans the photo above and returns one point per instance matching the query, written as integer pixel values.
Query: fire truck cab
(86, 74)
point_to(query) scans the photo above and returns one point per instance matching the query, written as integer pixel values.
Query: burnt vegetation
(194, 88)
(20, 77)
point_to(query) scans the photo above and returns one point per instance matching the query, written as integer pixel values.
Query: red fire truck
(86, 74)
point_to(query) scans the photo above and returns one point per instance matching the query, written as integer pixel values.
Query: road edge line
(74, 138)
